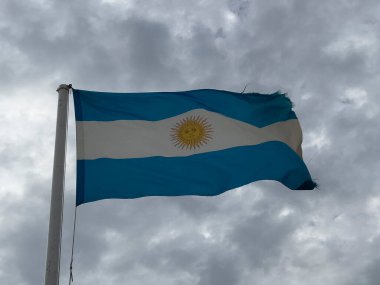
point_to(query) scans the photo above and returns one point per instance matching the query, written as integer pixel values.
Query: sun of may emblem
(191, 133)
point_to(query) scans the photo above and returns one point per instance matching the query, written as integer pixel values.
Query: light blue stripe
(203, 174)
(256, 109)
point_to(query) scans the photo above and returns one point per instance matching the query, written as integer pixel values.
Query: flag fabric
(200, 142)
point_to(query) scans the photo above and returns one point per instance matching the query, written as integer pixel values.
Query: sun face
(191, 132)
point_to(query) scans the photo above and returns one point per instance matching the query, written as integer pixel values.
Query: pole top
(64, 86)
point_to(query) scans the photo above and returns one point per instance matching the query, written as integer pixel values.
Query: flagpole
(56, 204)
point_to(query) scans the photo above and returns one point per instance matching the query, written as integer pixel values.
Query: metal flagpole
(56, 204)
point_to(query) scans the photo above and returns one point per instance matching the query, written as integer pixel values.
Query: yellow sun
(191, 132)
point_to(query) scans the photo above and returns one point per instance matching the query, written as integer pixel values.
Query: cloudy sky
(324, 54)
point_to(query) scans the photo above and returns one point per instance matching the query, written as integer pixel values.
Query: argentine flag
(200, 142)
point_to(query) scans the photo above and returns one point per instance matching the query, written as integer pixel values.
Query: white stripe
(137, 138)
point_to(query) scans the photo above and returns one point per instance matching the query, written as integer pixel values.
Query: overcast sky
(324, 54)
